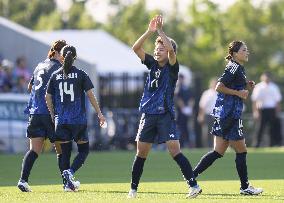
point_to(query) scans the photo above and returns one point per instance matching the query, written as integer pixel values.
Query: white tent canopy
(100, 48)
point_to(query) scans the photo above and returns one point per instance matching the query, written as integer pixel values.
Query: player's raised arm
(137, 47)
(95, 104)
(167, 43)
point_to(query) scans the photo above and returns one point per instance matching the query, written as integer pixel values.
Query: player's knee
(36, 148)
(174, 151)
(84, 149)
(142, 154)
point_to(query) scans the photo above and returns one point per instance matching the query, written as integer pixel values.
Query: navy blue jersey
(41, 75)
(69, 95)
(159, 87)
(234, 77)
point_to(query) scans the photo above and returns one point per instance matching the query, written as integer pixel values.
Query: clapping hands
(156, 23)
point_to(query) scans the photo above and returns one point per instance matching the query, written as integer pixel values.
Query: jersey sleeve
(87, 83)
(50, 85)
(174, 69)
(228, 76)
(149, 61)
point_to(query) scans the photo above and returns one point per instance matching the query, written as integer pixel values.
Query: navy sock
(206, 161)
(59, 162)
(137, 170)
(65, 156)
(241, 166)
(27, 164)
(186, 169)
(83, 151)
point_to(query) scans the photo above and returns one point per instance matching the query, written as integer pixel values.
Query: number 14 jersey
(69, 95)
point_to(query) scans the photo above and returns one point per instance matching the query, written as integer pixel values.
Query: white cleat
(251, 191)
(132, 194)
(66, 188)
(194, 192)
(24, 186)
(70, 182)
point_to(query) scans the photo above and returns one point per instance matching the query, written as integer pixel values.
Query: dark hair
(234, 46)
(56, 46)
(160, 40)
(19, 60)
(69, 54)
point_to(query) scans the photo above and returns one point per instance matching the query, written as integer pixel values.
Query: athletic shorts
(40, 125)
(228, 129)
(68, 132)
(157, 128)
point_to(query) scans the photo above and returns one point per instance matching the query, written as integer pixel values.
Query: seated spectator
(6, 75)
(21, 70)
(20, 86)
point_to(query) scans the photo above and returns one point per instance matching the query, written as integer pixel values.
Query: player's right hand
(152, 25)
(243, 94)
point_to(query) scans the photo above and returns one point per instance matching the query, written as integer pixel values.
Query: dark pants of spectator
(268, 117)
(182, 124)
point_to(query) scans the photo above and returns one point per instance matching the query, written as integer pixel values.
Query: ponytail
(228, 57)
(69, 54)
(234, 46)
(67, 63)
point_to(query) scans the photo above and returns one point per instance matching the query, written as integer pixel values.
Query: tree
(26, 13)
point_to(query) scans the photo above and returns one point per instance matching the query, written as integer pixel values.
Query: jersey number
(63, 87)
(39, 78)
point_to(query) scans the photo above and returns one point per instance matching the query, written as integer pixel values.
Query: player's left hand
(251, 84)
(159, 22)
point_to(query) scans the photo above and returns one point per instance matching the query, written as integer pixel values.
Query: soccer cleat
(132, 194)
(68, 176)
(194, 192)
(66, 188)
(251, 191)
(24, 186)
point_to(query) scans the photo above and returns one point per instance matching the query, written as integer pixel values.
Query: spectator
(184, 104)
(5, 75)
(266, 98)
(20, 86)
(22, 70)
(206, 105)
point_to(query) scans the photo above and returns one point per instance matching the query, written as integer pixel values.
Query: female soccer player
(65, 98)
(40, 125)
(232, 88)
(157, 122)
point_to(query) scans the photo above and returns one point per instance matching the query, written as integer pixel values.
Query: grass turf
(106, 175)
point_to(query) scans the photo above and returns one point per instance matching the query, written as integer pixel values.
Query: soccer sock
(241, 166)
(137, 170)
(206, 161)
(83, 151)
(59, 162)
(186, 169)
(27, 164)
(65, 156)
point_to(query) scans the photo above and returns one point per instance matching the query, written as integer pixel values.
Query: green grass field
(106, 175)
